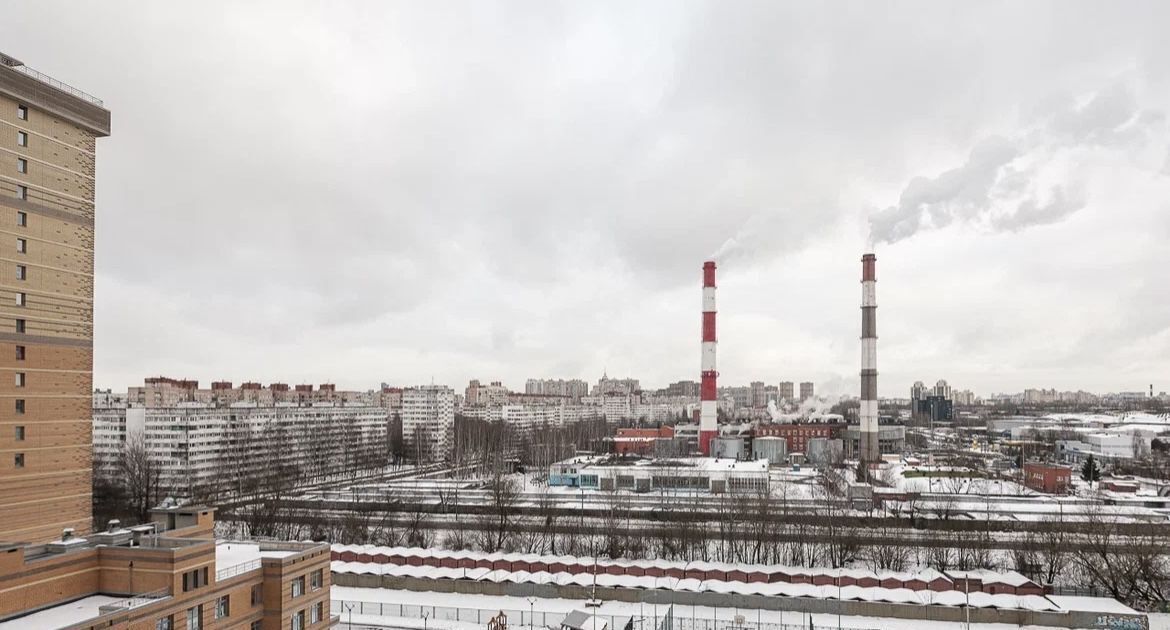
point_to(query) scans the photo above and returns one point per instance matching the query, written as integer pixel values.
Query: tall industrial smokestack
(868, 437)
(708, 398)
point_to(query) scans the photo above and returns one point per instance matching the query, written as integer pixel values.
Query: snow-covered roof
(774, 589)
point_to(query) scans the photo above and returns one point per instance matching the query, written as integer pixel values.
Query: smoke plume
(1029, 179)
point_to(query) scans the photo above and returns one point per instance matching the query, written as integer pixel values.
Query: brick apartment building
(48, 136)
(167, 575)
(54, 571)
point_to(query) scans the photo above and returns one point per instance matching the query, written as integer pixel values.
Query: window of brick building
(315, 580)
(19, 460)
(316, 612)
(21, 139)
(21, 193)
(222, 607)
(21, 246)
(20, 379)
(20, 298)
(298, 586)
(20, 325)
(20, 406)
(166, 623)
(21, 165)
(257, 595)
(19, 433)
(298, 621)
(22, 217)
(22, 112)
(20, 353)
(21, 272)
(195, 618)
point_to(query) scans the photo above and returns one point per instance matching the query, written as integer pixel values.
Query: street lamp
(531, 603)
(349, 609)
(967, 589)
(425, 614)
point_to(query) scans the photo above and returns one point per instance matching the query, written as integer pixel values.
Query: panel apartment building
(428, 423)
(208, 441)
(48, 134)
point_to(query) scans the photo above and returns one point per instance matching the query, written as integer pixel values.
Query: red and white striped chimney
(708, 398)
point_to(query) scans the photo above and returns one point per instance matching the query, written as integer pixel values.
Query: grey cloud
(394, 190)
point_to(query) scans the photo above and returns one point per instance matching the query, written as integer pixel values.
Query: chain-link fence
(646, 617)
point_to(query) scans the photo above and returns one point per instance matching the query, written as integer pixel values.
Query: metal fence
(64, 87)
(648, 617)
(236, 569)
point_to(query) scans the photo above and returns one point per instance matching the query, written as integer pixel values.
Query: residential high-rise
(806, 391)
(759, 394)
(428, 422)
(48, 134)
(786, 390)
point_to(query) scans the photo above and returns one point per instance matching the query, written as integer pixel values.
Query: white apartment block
(207, 449)
(428, 422)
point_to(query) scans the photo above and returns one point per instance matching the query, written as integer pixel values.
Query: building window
(19, 460)
(21, 165)
(315, 580)
(19, 433)
(22, 112)
(20, 297)
(20, 406)
(22, 217)
(20, 353)
(21, 246)
(21, 272)
(298, 620)
(298, 586)
(257, 625)
(166, 623)
(257, 595)
(22, 194)
(316, 612)
(21, 139)
(195, 618)
(20, 379)
(20, 325)
(222, 607)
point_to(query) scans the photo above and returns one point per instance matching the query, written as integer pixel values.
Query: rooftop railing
(136, 601)
(237, 569)
(64, 87)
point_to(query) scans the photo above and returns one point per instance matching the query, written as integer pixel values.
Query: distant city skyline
(356, 195)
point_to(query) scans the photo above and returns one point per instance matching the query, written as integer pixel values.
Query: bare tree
(141, 475)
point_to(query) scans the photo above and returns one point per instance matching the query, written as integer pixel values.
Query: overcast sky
(362, 192)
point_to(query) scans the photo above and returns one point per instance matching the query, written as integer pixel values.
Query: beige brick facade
(47, 167)
(259, 594)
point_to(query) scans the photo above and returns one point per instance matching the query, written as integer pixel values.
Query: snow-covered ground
(405, 609)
